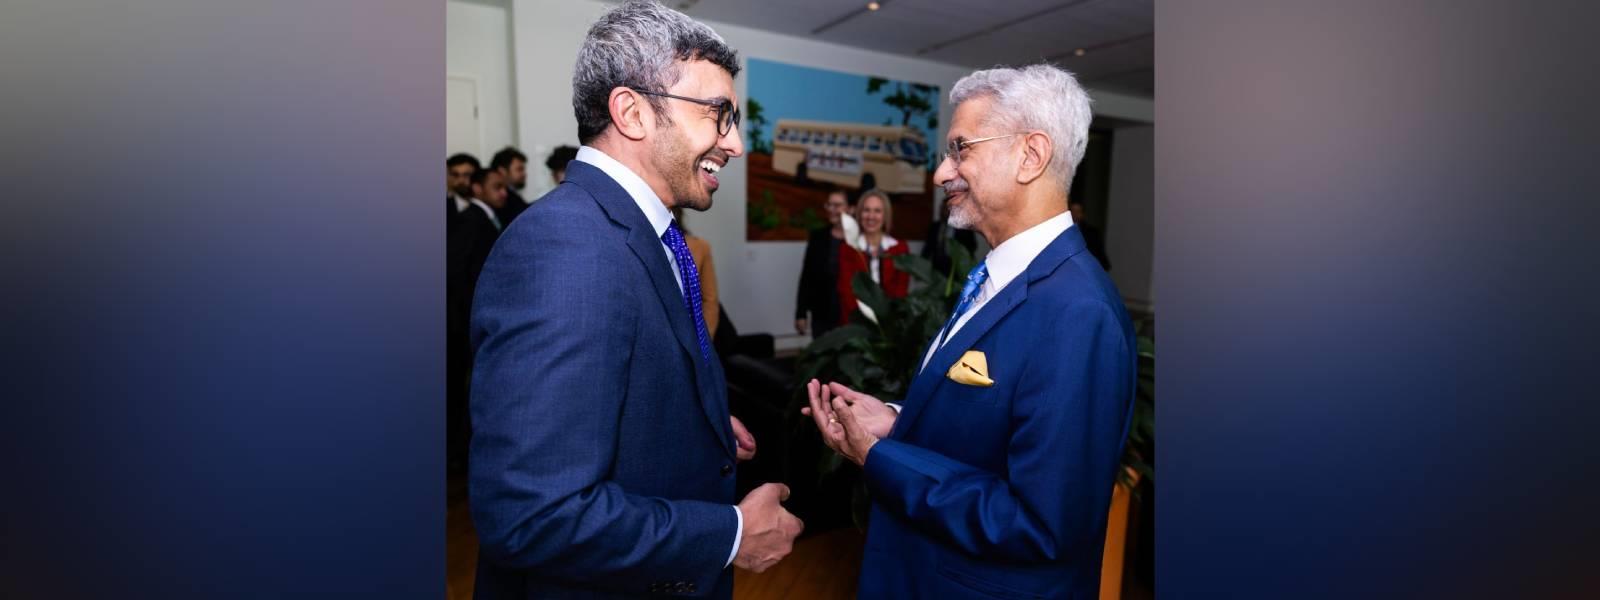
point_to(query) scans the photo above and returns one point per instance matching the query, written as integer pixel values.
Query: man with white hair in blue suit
(994, 479)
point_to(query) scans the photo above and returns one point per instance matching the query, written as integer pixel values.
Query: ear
(1036, 152)
(628, 112)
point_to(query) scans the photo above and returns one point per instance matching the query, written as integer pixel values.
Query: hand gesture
(871, 412)
(842, 428)
(747, 442)
(769, 529)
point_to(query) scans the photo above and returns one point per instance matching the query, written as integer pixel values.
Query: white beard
(964, 216)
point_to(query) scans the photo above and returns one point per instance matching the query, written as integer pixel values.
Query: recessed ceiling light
(873, 6)
(1078, 52)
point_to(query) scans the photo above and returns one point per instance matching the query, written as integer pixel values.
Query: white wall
(1130, 213)
(478, 44)
(757, 280)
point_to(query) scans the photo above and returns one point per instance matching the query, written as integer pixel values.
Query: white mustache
(955, 185)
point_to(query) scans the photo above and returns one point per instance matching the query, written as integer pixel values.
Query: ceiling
(1117, 36)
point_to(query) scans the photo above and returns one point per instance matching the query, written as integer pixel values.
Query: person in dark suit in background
(458, 170)
(816, 303)
(603, 459)
(994, 479)
(471, 238)
(1092, 236)
(513, 166)
(557, 162)
(480, 224)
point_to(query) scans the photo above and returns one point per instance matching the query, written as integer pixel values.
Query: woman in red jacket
(870, 252)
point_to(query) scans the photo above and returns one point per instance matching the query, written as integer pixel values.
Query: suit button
(727, 470)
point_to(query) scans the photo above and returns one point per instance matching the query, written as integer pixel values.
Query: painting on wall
(809, 131)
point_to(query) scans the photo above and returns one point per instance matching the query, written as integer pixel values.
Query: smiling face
(689, 150)
(873, 214)
(980, 190)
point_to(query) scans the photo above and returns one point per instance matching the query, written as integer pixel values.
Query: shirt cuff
(894, 406)
(738, 536)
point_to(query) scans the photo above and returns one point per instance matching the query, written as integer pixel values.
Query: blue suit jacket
(1002, 492)
(602, 461)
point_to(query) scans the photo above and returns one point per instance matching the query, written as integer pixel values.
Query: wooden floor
(461, 542)
(822, 566)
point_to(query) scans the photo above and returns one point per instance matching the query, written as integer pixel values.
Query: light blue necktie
(673, 238)
(969, 294)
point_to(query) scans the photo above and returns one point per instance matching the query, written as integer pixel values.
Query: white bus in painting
(840, 153)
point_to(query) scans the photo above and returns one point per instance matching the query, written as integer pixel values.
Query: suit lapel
(931, 378)
(651, 253)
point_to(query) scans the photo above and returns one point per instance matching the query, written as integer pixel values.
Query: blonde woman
(870, 251)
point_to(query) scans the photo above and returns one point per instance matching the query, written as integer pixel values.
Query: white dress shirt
(1006, 262)
(660, 218)
(649, 203)
(461, 203)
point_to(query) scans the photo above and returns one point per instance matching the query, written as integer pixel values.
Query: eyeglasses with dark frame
(727, 113)
(953, 151)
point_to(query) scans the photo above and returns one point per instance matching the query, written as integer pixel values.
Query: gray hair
(637, 45)
(1039, 97)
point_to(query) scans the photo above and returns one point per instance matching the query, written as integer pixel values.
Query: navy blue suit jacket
(1002, 491)
(602, 460)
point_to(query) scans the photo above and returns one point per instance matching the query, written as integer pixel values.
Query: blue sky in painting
(788, 91)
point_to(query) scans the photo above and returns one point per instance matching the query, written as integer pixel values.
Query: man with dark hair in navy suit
(994, 479)
(603, 455)
(458, 170)
(513, 165)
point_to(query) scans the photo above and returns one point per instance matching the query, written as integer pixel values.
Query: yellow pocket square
(972, 369)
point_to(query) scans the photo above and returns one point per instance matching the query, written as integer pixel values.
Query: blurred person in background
(458, 170)
(557, 162)
(513, 167)
(817, 299)
(472, 236)
(871, 252)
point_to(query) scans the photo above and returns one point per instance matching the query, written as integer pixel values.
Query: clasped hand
(850, 422)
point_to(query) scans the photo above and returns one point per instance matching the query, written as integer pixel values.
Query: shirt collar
(649, 203)
(1012, 257)
(461, 203)
(486, 209)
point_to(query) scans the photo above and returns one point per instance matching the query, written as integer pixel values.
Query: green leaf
(852, 367)
(921, 269)
(871, 294)
(837, 337)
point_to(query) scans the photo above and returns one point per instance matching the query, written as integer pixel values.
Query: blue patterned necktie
(673, 238)
(969, 294)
